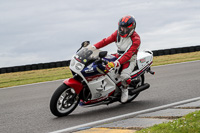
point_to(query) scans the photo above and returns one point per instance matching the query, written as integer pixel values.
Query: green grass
(187, 124)
(176, 58)
(35, 76)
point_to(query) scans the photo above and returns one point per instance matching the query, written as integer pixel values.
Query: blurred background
(42, 31)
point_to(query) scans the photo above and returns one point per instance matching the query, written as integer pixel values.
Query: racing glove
(112, 65)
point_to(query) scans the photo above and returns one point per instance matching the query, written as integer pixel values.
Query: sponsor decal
(142, 60)
(90, 70)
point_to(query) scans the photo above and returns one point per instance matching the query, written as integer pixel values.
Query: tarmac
(130, 125)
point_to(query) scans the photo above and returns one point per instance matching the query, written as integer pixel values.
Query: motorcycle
(92, 85)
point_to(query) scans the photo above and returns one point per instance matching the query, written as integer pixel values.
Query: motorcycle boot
(124, 90)
(124, 95)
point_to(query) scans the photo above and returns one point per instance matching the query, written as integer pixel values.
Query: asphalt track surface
(26, 108)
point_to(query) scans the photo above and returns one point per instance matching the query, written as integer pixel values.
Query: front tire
(63, 101)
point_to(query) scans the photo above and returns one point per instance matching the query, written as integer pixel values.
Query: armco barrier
(34, 66)
(176, 50)
(66, 63)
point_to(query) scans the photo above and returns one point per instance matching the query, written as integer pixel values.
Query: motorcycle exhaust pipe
(139, 89)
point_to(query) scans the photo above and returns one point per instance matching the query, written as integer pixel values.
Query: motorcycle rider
(128, 43)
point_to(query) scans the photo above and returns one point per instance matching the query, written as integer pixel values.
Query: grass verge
(35, 76)
(189, 123)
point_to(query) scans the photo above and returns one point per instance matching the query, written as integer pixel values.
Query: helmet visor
(123, 30)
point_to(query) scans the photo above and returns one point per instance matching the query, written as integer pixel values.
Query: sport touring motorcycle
(92, 85)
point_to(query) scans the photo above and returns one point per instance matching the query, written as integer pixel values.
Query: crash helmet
(126, 26)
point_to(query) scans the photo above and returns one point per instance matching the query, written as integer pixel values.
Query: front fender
(77, 85)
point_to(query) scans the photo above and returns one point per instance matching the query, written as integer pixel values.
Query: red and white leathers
(127, 51)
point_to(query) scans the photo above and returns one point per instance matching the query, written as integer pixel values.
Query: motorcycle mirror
(85, 43)
(103, 54)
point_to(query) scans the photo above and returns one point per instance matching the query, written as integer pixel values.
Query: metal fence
(67, 62)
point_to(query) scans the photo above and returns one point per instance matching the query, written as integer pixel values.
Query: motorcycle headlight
(72, 63)
(78, 66)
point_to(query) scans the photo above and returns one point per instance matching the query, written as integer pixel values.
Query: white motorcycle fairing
(91, 85)
(101, 85)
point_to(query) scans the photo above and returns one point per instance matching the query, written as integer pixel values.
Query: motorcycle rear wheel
(63, 101)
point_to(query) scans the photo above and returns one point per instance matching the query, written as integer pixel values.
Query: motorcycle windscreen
(87, 55)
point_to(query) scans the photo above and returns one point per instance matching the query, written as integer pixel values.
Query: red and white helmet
(127, 26)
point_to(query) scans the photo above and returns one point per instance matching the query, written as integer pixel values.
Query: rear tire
(63, 101)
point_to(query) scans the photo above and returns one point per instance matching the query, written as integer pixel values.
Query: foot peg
(151, 72)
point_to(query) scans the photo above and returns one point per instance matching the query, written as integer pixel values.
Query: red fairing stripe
(90, 78)
(74, 84)
(137, 74)
(99, 99)
(144, 69)
(78, 59)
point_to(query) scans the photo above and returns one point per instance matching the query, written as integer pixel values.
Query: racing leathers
(126, 53)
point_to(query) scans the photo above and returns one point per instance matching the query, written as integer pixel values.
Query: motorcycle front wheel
(63, 101)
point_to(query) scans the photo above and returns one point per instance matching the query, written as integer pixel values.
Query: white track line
(125, 116)
(63, 79)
